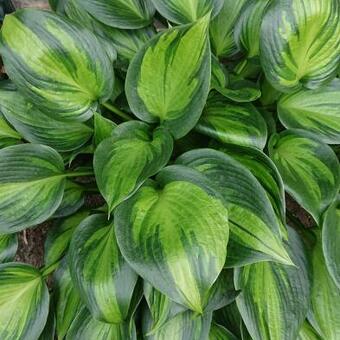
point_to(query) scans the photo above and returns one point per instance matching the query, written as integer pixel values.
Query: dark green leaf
(8, 247)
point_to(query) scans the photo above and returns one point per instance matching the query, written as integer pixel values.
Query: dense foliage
(189, 121)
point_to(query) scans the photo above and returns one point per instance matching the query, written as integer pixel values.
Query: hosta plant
(195, 125)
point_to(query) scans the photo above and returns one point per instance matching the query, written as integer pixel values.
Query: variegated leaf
(59, 237)
(317, 111)
(274, 298)
(300, 43)
(222, 28)
(102, 276)
(331, 240)
(24, 301)
(233, 123)
(307, 332)
(167, 226)
(325, 300)
(248, 26)
(8, 247)
(183, 326)
(184, 12)
(254, 228)
(32, 184)
(127, 14)
(85, 327)
(103, 128)
(37, 127)
(218, 332)
(58, 65)
(154, 89)
(134, 153)
(309, 169)
(8, 136)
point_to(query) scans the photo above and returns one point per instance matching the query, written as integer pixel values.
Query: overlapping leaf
(103, 128)
(104, 279)
(309, 169)
(8, 136)
(59, 66)
(154, 89)
(24, 301)
(308, 333)
(233, 123)
(134, 153)
(37, 127)
(331, 240)
(325, 299)
(31, 185)
(254, 228)
(317, 111)
(218, 332)
(128, 14)
(166, 226)
(222, 28)
(8, 247)
(274, 298)
(300, 43)
(183, 12)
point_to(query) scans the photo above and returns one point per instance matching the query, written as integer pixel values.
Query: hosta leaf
(104, 279)
(59, 237)
(219, 74)
(8, 247)
(48, 332)
(31, 185)
(37, 127)
(134, 153)
(24, 301)
(126, 42)
(67, 299)
(166, 226)
(308, 333)
(265, 171)
(85, 327)
(184, 12)
(317, 111)
(274, 298)
(120, 13)
(184, 326)
(218, 332)
(8, 136)
(61, 67)
(73, 200)
(168, 80)
(300, 43)
(222, 28)
(309, 169)
(233, 123)
(331, 240)
(103, 128)
(247, 29)
(254, 228)
(325, 300)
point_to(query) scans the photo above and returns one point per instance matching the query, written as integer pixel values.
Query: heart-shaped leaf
(233, 123)
(300, 43)
(24, 301)
(184, 12)
(254, 227)
(104, 279)
(331, 240)
(274, 298)
(325, 300)
(167, 226)
(222, 28)
(317, 111)
(134, 153)
(37, 127)
(31, 185)
(127, 14)
(309, 169)
(8, 247)
(58, 65)
(168, 81)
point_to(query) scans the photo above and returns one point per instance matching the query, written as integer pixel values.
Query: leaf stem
(118, 112)
(79, 173)
(46, 271)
